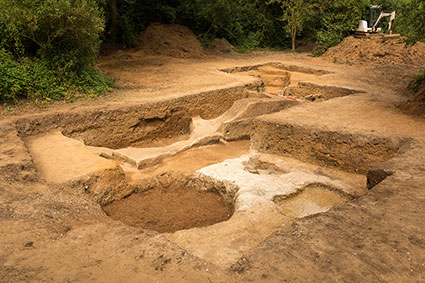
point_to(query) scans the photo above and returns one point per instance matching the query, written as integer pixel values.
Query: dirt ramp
(376, 51)
(170, 40)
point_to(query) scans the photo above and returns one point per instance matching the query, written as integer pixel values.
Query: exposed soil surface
(416, 101)
(190, 161)
(318, 93)
(169, 209)
(376, 51)
(221, 45)
(54, 229)
(170, 40)
(60, 159)
(312, 198)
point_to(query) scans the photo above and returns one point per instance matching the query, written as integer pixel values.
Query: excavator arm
(381, 16)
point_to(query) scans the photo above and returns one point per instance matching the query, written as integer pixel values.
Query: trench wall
(348, 151)
(123, 126)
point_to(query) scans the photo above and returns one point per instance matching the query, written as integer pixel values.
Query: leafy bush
(48, 48)
(34, 79)
(336, 20)
(28, 79)
(53, 29)
(410, 19)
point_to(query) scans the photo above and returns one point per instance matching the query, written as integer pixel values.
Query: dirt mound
(170, 40)
(376, 51)
(221, 45)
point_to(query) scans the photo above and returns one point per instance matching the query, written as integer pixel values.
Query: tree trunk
(293, 36)
(293, 42)
(114, 20)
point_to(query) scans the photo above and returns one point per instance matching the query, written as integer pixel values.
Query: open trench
(203, 169)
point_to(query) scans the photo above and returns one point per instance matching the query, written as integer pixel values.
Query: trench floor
(54, 232)
(253, 181)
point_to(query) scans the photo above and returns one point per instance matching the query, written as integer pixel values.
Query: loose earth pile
(170, 40)
(376, 51)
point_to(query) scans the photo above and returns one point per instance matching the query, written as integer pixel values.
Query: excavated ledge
(317, 93)
(138, 124)
(234, 124)
(352, 152)
(285, 67)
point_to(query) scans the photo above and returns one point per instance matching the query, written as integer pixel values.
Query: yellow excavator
(372, 23)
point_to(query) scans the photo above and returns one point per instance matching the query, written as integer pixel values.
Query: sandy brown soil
(58, 231)
(170, 209)
(377, 51)
(170, 40)
(190, 161)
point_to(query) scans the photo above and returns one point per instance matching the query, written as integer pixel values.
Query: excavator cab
(373, 12)
(373, 19)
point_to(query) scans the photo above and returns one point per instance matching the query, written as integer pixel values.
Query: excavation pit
(316, 93)
(227, 206)
(312, 199)
(277, 65)
(289, 80)
(249, 175)
(171, 208)
(138, 125)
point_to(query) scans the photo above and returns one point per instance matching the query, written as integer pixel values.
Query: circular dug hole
(170, 208)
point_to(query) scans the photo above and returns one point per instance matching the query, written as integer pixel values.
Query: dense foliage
(250, 24)
(247, 24)
(48, 47)
(410, 20)
(336, 20)
(36, 79)
(295, 14)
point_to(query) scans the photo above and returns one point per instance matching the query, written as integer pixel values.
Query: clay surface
(170, 209)
(57, 231)
(60, 159)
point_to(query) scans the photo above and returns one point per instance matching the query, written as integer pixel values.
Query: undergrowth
(418, 82)
(35, 79)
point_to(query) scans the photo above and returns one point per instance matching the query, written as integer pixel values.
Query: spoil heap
(170, 40)
(221, 45)
(376, 51)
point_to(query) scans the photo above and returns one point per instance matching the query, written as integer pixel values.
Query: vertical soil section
(136, 124)
(355, 153)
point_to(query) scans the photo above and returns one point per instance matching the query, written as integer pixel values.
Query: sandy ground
(53, 231)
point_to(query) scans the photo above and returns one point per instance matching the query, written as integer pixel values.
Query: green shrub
(13, 79)
(53, 29)
(336, 20)
(27, 79)
(48, 49)
(34, 79)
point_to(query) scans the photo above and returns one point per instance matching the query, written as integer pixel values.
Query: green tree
(48, 49)
(64, 32)
(295, 13)
(335, 20)
(410, 19)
